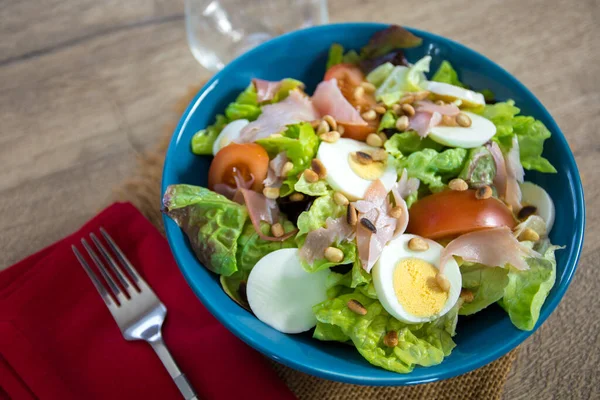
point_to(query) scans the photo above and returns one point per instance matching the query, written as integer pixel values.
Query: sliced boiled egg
(406, 284)
(230, 132)
(480, 131)
(450, 93)
(281, 293)
(352, 166)
(536, 196)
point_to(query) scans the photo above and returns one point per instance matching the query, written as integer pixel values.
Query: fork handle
(167, 359)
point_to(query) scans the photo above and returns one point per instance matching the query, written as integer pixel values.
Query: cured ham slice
(276, 117)
(265, 90)
(423, 121)
(442, 109)
(492, 247)
(329, 100)
(274, 177)
(319, 240)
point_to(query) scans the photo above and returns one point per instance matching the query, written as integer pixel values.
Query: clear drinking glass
(220, 30)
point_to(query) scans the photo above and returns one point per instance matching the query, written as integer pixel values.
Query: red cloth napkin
(59, 341)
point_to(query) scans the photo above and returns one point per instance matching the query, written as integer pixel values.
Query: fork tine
(124, 261)
(111, 262)
(99, 287)
(109, 279)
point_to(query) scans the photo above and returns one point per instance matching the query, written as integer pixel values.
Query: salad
(377, 210)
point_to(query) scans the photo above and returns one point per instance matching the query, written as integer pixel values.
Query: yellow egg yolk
(370, 171)
(416, 288)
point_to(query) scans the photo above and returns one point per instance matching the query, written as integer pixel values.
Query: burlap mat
(143, 190)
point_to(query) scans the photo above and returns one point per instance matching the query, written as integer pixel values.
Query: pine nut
(356, 307)
(421, 95)
(319, 168)
(458, 185)
(330, 137)
(315, 123)
(334, 254)
(396, 212)
(418, 244)
(383, 137)
(368, 87)
(463, 120)
(391, 339)
(439, 102)
(271, 193)
(397, 109)
(442, 282)
(374, 140)
(449, 120)
(341, 129)
(277, 230)
(323, 128)
(287, 167)
(340, 199)
(379, 109)
(529, 235)
(484, 192)
(379, 155)
(407, 99)
(310, 176)
(402, 123)
(369, 115)
(408, 110)
(351, 215)
(467, 295)
(359, 92)
(296, 196)
(331, 122)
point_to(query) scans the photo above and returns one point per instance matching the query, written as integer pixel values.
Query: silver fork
(137, 311)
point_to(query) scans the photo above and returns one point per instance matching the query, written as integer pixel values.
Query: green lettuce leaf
(212, 223)
(318, 188)
(406, 143)
(287, 85)
(486, 283)
(316, 217)
(250, 249)
(422, 344)
(480, 167)
(432, 168)
(527, 290)
(530, 133)
(349, 249)
(399, 80)
(388, 121)
(336, 55)
(447, 74)
(245, 106)
(203, 140)
(351, 57)
(300, 144)
(380, 74)
(328, 332)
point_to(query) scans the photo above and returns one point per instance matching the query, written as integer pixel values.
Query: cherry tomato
(452, 213)
(250, 159)
(349, 77)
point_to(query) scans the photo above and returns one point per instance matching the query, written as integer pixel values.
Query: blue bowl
(481, 338)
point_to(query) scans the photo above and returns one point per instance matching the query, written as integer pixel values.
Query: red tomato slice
(249, 158)
(452, 213)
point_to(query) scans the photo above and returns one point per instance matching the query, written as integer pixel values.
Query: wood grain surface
(85, 85)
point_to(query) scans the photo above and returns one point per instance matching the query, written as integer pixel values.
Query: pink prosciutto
(442, 109)
(374, 207)
(491, 247)
(403, 188)
(276, 117)
(423, 121)
(329, 100)
(317, 241)
(265, 90)
(509, 173)
(274, 177)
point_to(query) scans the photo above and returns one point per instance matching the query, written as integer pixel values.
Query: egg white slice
(281, 293)
(340, 175)
(480, 131)
(450, 93)
(532, 194)
(230, 132)
(395, 251)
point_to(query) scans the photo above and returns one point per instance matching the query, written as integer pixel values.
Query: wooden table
(85, 85)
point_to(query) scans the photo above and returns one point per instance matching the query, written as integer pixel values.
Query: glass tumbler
(220, 30)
